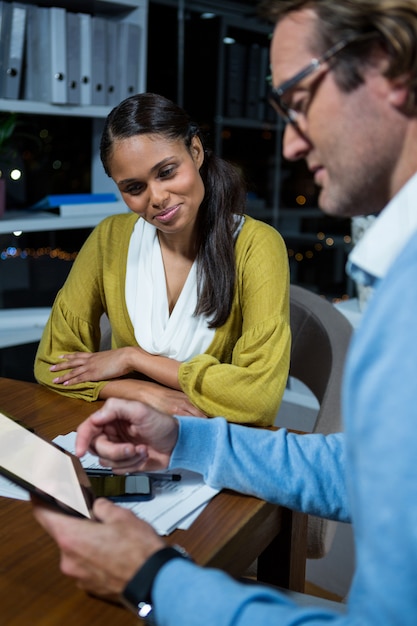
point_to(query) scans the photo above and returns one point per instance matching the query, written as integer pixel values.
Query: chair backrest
(320, 339)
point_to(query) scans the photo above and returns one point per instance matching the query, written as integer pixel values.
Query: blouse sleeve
(242, 376)
(74, 322)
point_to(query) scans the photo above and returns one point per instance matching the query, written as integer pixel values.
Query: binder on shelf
(253, 79)
(32, 32)
(3, 9)
(42, 71)
(99, 36)
(13, 31)
(264, 108)
(112, 50)
(58, 53)
(37, 82)
(46, 64)
(85, 59)
(129, 37)
(235, 75)
(73, 35)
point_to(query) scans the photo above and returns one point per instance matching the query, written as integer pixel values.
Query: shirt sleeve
(305, 472)
(243, 374)
(302, 472)
(189, 595)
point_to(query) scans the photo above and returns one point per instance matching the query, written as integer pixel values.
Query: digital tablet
(44, 469)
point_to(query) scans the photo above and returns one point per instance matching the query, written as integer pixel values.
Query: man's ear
(400, 90)
(197, 151)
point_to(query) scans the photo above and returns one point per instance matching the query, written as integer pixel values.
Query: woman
(196, 292)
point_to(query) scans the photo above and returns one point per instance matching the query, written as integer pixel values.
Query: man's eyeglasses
(288, 113)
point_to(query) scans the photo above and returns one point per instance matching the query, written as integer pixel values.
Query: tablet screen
(44, 469)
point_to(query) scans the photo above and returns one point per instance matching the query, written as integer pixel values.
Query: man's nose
(295, 143)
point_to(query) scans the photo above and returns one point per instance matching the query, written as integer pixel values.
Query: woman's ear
(197, 151)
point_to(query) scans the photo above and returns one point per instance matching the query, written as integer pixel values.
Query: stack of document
(176, 504)
(81, 204)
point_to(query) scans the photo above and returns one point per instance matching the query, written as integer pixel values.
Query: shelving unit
(249, 34)
(132, 11)
(36, 222)
(21, 326)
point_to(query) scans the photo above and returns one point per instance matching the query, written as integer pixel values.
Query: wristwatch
(137, 593)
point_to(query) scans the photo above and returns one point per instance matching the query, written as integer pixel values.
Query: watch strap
(137, 592)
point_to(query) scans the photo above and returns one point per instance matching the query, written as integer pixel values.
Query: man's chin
(331, 206)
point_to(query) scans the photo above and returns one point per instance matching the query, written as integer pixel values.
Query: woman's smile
(167, 214)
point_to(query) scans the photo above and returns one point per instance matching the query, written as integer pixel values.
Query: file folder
(113, 96)
(32, 31)
(58, 51)
(73, 34)
(129, 50)
(37, 83)
(3, 10)
(264, 74)
(85, 59)
(99, 37)
(235, 73)
(252, 81)
(13, 30)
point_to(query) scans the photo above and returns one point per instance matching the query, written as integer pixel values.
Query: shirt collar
(374, 254)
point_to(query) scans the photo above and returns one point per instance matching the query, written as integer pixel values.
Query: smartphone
(134, 488)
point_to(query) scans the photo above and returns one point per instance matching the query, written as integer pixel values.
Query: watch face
(144, 610)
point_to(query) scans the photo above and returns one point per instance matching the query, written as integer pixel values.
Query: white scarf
(179, 336)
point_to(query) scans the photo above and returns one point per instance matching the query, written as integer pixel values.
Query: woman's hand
(111, 365)
(92, 366)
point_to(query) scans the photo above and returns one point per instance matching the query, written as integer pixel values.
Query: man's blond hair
(389, 24)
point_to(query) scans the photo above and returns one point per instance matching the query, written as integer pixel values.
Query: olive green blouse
(242, 374)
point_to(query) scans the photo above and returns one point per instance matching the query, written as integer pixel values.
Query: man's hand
(128, 436)
(101, 555)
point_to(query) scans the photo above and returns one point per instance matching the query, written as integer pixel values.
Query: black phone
(129, 488)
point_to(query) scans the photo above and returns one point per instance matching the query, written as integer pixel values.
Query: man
(345, 76)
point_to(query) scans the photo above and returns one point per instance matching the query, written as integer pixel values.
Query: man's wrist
(137, 595)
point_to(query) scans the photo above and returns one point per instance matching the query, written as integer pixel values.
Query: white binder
(13, 38)
(85, 59)
(112, 49)
(58, 51)
(73, 33)
(129, 47)
(99, 37)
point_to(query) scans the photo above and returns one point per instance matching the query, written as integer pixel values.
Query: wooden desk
(231, 532)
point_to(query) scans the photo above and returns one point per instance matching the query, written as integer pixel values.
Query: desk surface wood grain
(231, 532)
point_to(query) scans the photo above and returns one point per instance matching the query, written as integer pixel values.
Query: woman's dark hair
(225, 195)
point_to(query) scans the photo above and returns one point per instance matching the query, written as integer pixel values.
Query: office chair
(320, 339)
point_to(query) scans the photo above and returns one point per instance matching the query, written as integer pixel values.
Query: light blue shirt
(367, 475)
